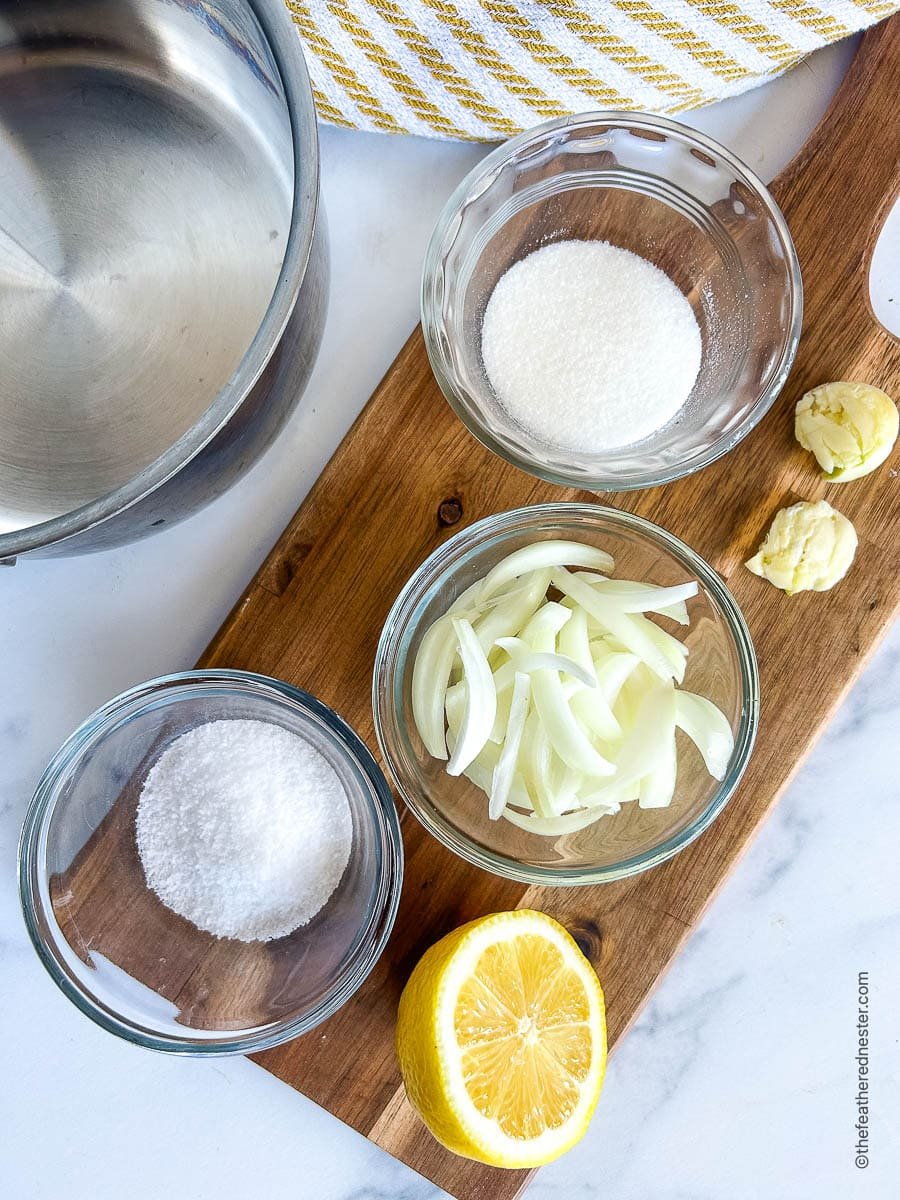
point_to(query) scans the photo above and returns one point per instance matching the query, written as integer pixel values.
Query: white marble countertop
(738, 1081)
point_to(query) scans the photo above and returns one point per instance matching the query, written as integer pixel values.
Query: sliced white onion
(468, 599)
(546, 622)
(508, 617)
(647, 740)
(481, 699)
(709, 730)
(536, 759)
(565, 734)
(612, 673)
(565, 783)
(554, 826)
(431, 673)
(455, 707)
(590, 706)
(658, 787)
(526, 661)
(674, 652)
(542, 555)
(575, 643)
(609, 795)
(561, 711)
(508, 761)
(621, 625)
(501, 718)
(647, 597)
(480, 771)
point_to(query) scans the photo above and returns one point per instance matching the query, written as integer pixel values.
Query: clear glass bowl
(664, 192)
(131, 964)
(721, 665)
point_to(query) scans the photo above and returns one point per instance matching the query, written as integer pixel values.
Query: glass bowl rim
(434, 569)
(475, 181)
(382, 811)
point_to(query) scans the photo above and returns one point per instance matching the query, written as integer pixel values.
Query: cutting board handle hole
(884, 275)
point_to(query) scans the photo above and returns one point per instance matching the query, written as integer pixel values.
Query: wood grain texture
(406, 477)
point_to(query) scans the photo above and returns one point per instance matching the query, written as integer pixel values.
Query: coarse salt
(589, 347)
(243, 828)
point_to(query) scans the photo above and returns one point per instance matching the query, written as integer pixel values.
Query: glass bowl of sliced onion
(565, 694)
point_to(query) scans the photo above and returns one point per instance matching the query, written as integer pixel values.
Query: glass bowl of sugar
(211, 864)
(611, 301)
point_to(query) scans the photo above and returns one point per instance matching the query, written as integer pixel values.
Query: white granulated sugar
(243, 828)
(589, 347)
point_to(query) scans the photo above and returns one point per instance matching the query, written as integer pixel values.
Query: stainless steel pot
(163, 266)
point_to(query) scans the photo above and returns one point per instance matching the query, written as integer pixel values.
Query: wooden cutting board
(408, 475)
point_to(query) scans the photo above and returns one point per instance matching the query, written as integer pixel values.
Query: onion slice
(674, 652)
(564, 733)
(613, 672)
(541, 555)
(635, 597)
(537, 759)
(480, 771)
(648, 738)
(507, 618)
(526, 662)
(555, 826)
(455, 707)
(622, 626)
(590, 705)
(509, 755)
(708, 728)
(609, 795)
(481, 698)
(658, 787)
(431, 674)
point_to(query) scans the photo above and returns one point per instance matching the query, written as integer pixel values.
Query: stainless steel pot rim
(285, 47)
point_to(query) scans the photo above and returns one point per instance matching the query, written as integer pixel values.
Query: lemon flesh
(849, 427)
(501, 1039)
(808, 547)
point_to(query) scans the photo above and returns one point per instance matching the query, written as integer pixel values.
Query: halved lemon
(501, 1038)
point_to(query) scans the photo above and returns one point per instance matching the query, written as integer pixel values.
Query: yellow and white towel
(485, 69)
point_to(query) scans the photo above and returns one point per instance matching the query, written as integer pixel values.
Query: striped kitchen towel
(485, 69)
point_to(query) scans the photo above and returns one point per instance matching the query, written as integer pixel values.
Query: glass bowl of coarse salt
(611, 301)
(211, 864)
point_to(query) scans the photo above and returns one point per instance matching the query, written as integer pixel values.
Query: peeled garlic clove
(808, 547)
(849, 427)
